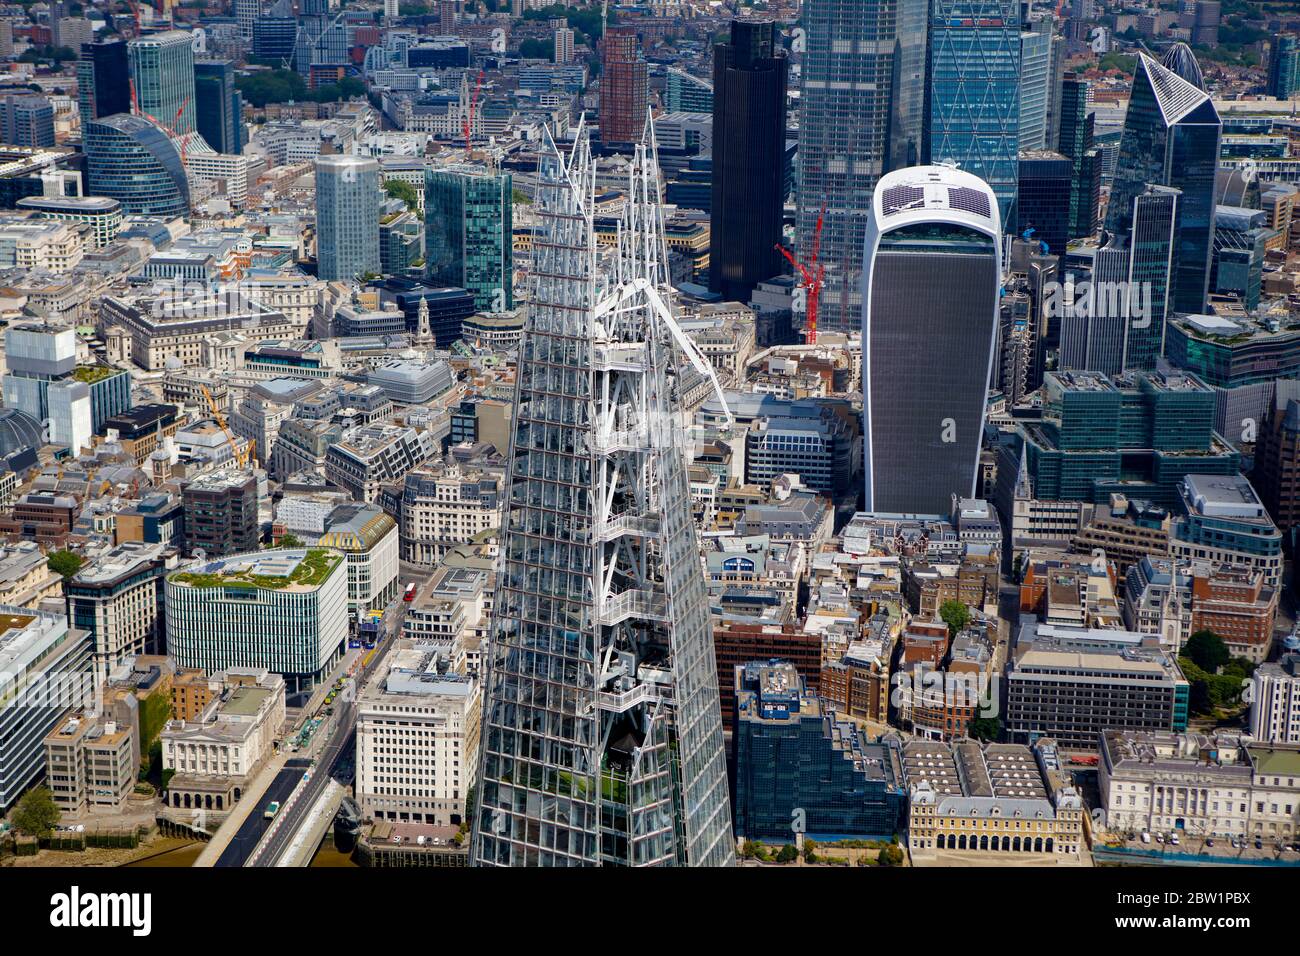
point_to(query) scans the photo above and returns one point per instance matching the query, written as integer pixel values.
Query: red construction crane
(468, 123)
(811, 274)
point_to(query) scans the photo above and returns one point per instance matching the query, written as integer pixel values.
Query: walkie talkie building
(931, 284)
(602, 735)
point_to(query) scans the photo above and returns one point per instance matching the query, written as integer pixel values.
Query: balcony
(636, 604)
(643, 526)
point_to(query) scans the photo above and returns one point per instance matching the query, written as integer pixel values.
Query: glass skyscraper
(103, 79)
(131, 160)
(162, 69)
(468, 232)
(748, 195)
(1171, 138)
(1284, 66)
(929, 326)
(974, 117)
(861, 114)
(602, 733)
(1035, 85)
(347, 217)
(218, 105)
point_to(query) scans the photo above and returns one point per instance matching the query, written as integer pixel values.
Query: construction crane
(468, 122)
(242, 456)
(812, 274)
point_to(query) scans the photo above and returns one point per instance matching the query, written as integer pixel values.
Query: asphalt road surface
(250, 834)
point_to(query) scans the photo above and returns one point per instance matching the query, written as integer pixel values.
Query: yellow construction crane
(243, 456)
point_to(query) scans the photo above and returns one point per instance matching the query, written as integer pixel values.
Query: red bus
(410, 592)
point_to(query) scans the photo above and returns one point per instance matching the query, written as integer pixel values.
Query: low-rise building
(90, 765)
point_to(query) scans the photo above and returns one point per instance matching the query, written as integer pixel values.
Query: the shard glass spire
(602, 736)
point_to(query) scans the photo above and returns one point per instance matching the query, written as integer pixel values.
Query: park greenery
(286, 86)
(955, 614)
(64, 563)
(404, 191)
(314, 568)
(1217, 678)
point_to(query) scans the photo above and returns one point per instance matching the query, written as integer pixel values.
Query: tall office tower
(217, 102)
(468, 215)
(1119, 319)
(1043, 204)
(1284, 66)
(1055, 78)
(624, 87)
(26, 120)
(1075, 139)
(1171, 138)
(929, 326)
(246, 13)
(602, 734)
(131, 160)
(563, 45)
(162, 69)
(862, 113)
(1035, 85)
(748, 191)
(103, 79)
(347, 217)
(1205, 28)
(974, 118)
(390, 9)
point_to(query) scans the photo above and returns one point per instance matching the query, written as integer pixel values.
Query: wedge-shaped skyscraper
(931, 277)
(602, 736)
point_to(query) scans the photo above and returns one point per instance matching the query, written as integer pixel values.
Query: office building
(933, 280)
(1171, 138)
(792, 753)
(26, 120)
(418, 727)
(1071, 683)
(1036, 85)
(285, 611)
(1224, 521)
(748, 181)
(131, 160)
(469, 234)
(1284, 66)
(90, 764)
(371, 455)
(47, 668)
(348, 196)
(103, 79)
(624, 87)
(246, 13)
(974, 94)
(1043, 203)
(116, 598)
(1275, 701)
(1277, 463)
(102, 214)
(218, 106)
(221, 513)
(644, 778)
(1075, 139)
(368, 539)
(162, 71)
(862, 108)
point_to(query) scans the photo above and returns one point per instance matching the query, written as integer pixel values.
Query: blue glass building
(133, 161)
(793, 755)
(974, 113)
(469, 237)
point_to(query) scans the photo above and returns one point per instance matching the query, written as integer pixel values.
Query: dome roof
(1180, 59)
(18, 431)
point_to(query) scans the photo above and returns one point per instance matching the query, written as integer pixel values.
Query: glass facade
(862, 109)
(218, 105)
(469, 230)
(103, 79)
(162, 69)
(602, 736)
(1035, 80)
(1284, 66)
(347, 217)
(131, 160)
(1171, 138)
(929, 327)
(974, 117)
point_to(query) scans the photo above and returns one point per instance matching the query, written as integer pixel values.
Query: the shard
(602, 736)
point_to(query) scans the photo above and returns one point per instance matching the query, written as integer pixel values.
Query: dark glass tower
(103, 80)
(218, 102)
(929, 327)
(131, 160)
(1075, 139)
(861, 114)
(602, 734)
(749, 80)
(1284, 66)
(1171, 138)
(1043, 205)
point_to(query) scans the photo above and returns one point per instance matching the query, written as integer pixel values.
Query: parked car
(1146, 837)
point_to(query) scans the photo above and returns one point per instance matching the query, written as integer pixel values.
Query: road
(250, 833)
(337, 758)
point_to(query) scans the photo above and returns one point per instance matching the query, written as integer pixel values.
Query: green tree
(36, 813)
(1208, 651)
(749, 850)
(955, 614)
(891, 855)
(272, 86)
(533, 49)
(291, 541)
(65, 563)
(809, 851)
(397, 189)
(788, 854)
(985, 728)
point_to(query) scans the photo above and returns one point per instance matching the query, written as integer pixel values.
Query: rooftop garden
(90, 374)
(314, 568)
